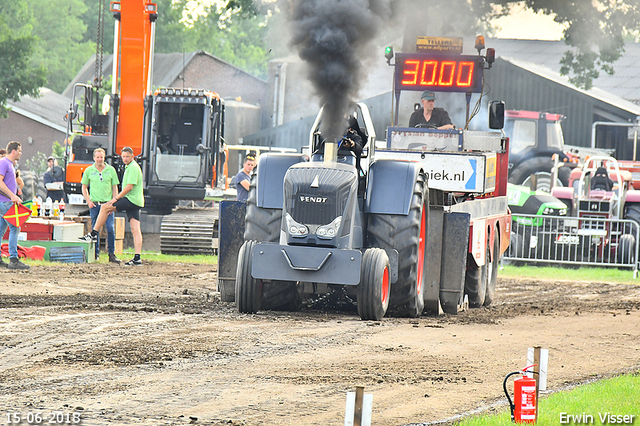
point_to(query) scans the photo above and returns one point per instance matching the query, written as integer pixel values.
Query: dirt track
(153, 345)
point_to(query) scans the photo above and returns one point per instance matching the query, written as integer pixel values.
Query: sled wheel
(374, 288)
(475, 281)
(492, 272)
(248, 289)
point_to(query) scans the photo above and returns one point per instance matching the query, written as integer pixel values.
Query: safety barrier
(591, 241)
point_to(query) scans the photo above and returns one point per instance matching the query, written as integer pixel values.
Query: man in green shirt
(99, 185)
(130, 200)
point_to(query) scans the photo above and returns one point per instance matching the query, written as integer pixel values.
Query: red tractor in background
(600, 189)
(534, 138)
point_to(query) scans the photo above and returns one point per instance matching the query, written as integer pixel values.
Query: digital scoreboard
(440, 73)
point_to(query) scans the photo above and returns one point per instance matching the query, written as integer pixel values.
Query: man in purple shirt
(8, 191)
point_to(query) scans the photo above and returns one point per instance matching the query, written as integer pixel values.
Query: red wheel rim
(385, 287)
(422, 241)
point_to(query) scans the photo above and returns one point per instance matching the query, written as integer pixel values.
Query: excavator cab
(185, 144)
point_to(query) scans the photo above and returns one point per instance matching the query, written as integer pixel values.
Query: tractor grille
(595, 206)
(316, 205)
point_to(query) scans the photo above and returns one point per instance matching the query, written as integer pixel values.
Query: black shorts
(124, 205)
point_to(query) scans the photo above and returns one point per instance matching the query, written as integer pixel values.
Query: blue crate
(67, 254)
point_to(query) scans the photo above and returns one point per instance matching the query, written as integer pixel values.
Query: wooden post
(357, 413)
(536, 369)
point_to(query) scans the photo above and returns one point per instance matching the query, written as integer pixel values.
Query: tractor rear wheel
(541, 167)
(626, 251)
(30, 189)
(374, 288)
(492, 278)
(248, 289)
(407, 235)
(281, 296)
(261, 224)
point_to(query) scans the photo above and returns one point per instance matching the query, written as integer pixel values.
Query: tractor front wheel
(407, 235)
(374, 288)
(248, 289)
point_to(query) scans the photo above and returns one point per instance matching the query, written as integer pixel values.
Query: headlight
(563, 212)
(330, 230)
(294, 228)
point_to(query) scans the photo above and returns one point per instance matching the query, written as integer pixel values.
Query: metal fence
(591, 241)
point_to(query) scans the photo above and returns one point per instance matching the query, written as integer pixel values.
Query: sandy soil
(153, 345)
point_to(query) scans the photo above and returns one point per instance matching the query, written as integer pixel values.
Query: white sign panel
(455, 172)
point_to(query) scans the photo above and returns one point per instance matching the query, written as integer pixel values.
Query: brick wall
(208, 72)
(19, 128)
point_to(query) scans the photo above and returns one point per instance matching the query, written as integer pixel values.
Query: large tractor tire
(30, 189)
(281, 296)
(374, 288)
(159, 206)
(626, 251)
(248, 289)
(263, 225)
(492, 272)
(475, 280)
(632, 212)
(541, 167)
(407, 235)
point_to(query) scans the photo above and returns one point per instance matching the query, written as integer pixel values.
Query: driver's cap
(428, 95)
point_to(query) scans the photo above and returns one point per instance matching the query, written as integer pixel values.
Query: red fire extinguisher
(523, 407)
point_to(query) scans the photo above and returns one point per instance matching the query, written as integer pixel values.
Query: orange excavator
(176, 134)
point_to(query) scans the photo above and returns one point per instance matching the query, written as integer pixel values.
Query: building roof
(624, 83)
(49, 109)
(594, 92)
(167, 68)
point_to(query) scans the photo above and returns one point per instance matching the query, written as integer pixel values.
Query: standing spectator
(99, 185)
(53, 181)
(19, 181)
(243, 178)
(9, 196)
(130, 200)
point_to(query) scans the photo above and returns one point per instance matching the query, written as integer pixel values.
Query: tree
(171, 32)
(595, 32)
(232, 36)
(90, 18)
(17, 76)
(60, 31)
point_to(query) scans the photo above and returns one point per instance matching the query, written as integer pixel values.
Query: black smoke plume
(334, 38)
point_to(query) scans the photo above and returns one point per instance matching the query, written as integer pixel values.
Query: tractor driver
(354, 140)
(428, 115)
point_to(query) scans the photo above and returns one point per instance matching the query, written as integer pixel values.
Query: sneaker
(3, 264)
(113, 258)
(88, 238)
(15, 264)
(134, 262)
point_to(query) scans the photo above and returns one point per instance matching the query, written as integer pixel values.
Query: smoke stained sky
(334, 38)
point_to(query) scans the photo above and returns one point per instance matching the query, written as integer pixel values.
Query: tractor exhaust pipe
(330, 151)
